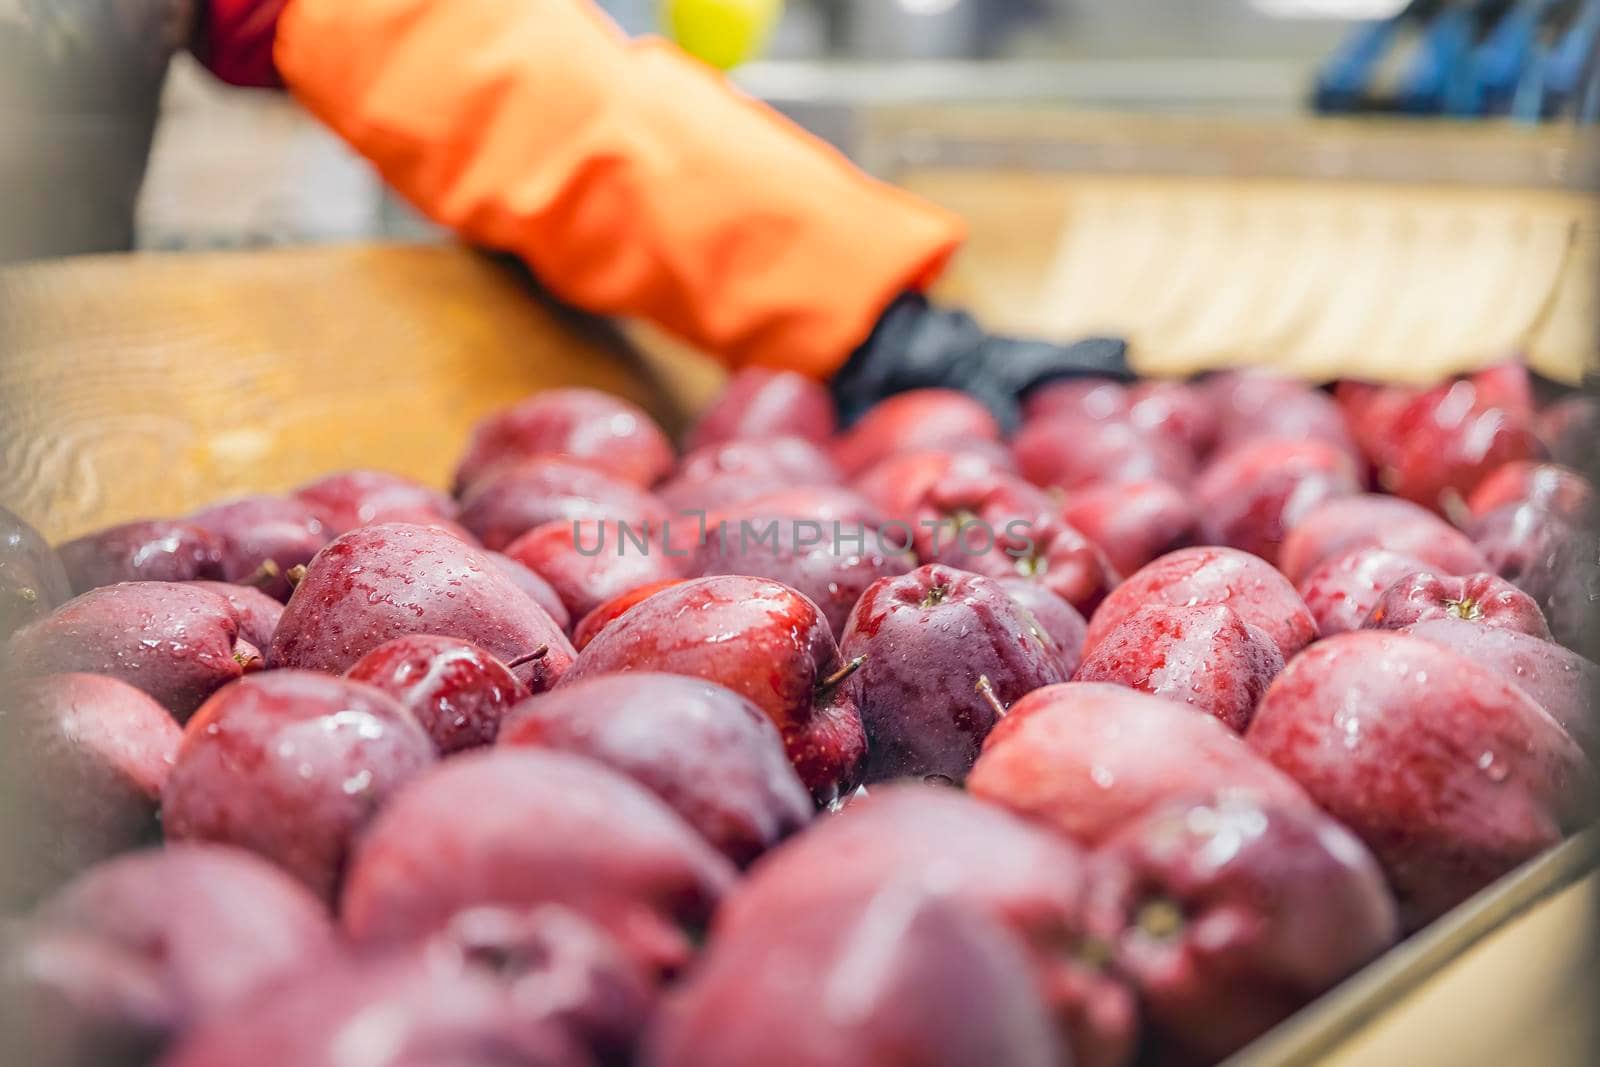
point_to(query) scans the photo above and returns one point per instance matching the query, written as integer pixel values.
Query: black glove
(918, 346)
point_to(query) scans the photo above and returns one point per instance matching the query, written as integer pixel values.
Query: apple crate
(153, 384)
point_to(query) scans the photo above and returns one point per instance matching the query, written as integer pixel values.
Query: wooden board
(149, 385)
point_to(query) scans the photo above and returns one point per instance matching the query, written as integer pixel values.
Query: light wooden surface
(149, 385)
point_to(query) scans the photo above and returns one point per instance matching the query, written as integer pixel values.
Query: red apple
(612, 610)
(587, 425)
(1548, 485)
(291, 765)
(350, 499)
(537, 589)
(1195, 577)
(454, 689)
(1480, 598)
(896, 483)
(710, 754)
(83, 759)
(1254, 494)
(1054, 620)
(1559, 680)
(1342, 591)
(1073, 452)
(913, 421)
(263, 538)
(591, 561)
(1230, 915)
(943, 654)
(893, 979)
(1448, 772)
(1204, 656)
(153, 551)
(176, 642)
(1341, 525)
(1085, 758)
(1445, 443)
(1251, 404)
(759, 402)
(720, 474)
(1099, 399)
(517, 496)
(525, 827)
(380, 582)
(258, 613)
(937, 841)
(1133, 522)
(145, 946)
(1179, 411)
(761, 639)
(32, 580)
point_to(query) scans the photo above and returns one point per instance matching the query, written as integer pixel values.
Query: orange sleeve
(632, 179)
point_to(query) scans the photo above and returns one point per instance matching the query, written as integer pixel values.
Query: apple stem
(840, 675)
(985, 689)
(537, 654)
(264, 575)
(1160, 918)
(935, 596)
(296, 574)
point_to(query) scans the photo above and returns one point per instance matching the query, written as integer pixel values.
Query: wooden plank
(148, 385)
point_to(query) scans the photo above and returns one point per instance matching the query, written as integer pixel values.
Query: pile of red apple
(1126, 737)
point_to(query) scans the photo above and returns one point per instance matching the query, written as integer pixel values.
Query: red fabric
(239, 36)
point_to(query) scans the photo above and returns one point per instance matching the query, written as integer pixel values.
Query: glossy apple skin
(1099, 399)
(606, 847)
(380, 582)
(898, 482)
(1553, 559)
(1193, 577)
(707, 752)
(83, 759)
(926, 641)
(1450, 774)
(1230, 915)
(538, 590)
(1342, 591)
(826, 504)
(764, 641)
(716, 475)
(32, 580)
(587, 425)
(1018, 532)
(291, 765)
(1253, 404)
(1252, 496)
(1133, 522)
(146, 945)
(613, 609)
(175, 642)
(517, 496)
(262, 537)
(1480, 598)
(759, 402)
(159, 550)
(949, 987)
(833, 573)
(455, 690)
(912, 421)
(529, 1003)
(937, 841)
(592, 561)
(1074, 452)
(1203, 656)
(1446, 441)
(1559, 680)
(1548, 485)
(1180, 411)
(349, 499)
(1059, 623)
(258, 613)
(1086, 757)
(1344, 524)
